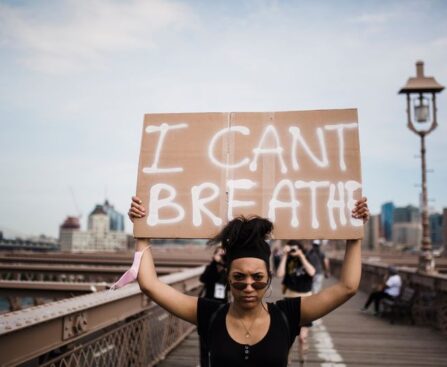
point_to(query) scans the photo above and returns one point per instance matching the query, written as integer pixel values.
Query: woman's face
(248, 270)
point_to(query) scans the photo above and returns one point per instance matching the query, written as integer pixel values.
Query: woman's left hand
(137, 209)
(361, 210)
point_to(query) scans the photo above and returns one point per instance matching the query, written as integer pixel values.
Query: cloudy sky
(76, 78)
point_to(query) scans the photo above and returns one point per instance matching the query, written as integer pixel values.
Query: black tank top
(271, 351)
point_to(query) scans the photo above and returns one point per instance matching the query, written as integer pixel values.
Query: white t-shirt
(393, 284)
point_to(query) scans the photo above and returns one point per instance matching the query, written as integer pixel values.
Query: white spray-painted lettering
(278, 149)
(297, 137)
(340, 198)
(352, 186)
(163, 208)
(242, 184)
(163, 129)
(313, 186)
(155, 204)
(293, 204)
(339, 204)
(198, 203)
(341, 140)
(240, 129)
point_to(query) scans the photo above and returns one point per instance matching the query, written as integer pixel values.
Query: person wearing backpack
(214, 277)
(247, 331)
(214, 280)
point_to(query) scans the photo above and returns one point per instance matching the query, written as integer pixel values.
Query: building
(99, 235)
(71, 237)
(116, 219)
(387, 220)
(436, 230)
(401, 225)
(371, 237)
(406, 228)
(407, 235)
(407, 214)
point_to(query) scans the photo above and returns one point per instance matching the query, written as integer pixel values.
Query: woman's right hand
(136, 210)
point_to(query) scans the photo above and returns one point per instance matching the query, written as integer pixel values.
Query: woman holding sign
(247, 331)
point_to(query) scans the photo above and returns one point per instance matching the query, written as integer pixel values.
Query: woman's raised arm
(320, 304)
(175, 302)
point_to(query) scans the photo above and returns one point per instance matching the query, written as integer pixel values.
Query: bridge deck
(347, 337)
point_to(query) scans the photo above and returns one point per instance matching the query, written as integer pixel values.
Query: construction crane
(75, 202)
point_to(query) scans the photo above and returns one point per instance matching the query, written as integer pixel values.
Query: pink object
(130, 275)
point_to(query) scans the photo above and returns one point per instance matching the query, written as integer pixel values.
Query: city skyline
(78, 78)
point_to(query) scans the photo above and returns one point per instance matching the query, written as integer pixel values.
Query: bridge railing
(430, 306)
(108, 328)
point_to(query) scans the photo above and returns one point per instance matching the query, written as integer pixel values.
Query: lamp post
(421, 108)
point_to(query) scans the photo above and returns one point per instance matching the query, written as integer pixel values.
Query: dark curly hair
(245, 235)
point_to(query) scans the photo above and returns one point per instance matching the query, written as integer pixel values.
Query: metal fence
(108, 328)
(143, 341)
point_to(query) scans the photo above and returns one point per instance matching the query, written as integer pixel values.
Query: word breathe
(339, 195)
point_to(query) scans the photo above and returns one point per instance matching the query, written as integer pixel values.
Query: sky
(77, 77)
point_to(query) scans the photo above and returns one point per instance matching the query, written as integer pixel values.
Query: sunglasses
(241, 285)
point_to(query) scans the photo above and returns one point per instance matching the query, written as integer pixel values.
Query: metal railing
(108, 328)
(63, 273)
(143, 341)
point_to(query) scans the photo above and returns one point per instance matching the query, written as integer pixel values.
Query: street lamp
(421, 107)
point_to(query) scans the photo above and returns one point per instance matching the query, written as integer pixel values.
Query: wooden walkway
(349, 338)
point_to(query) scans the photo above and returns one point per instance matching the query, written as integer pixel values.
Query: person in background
(214, 277)
(390, 290)
(298, 266)
(321, 268)
(276, 254)
(215, 288)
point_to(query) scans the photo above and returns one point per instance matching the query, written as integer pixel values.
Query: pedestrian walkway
(361, 339)
(349, 338)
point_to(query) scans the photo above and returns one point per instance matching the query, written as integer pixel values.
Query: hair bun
(256, 229)
(242, 231)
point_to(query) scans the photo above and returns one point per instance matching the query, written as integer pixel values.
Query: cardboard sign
(301, 170)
